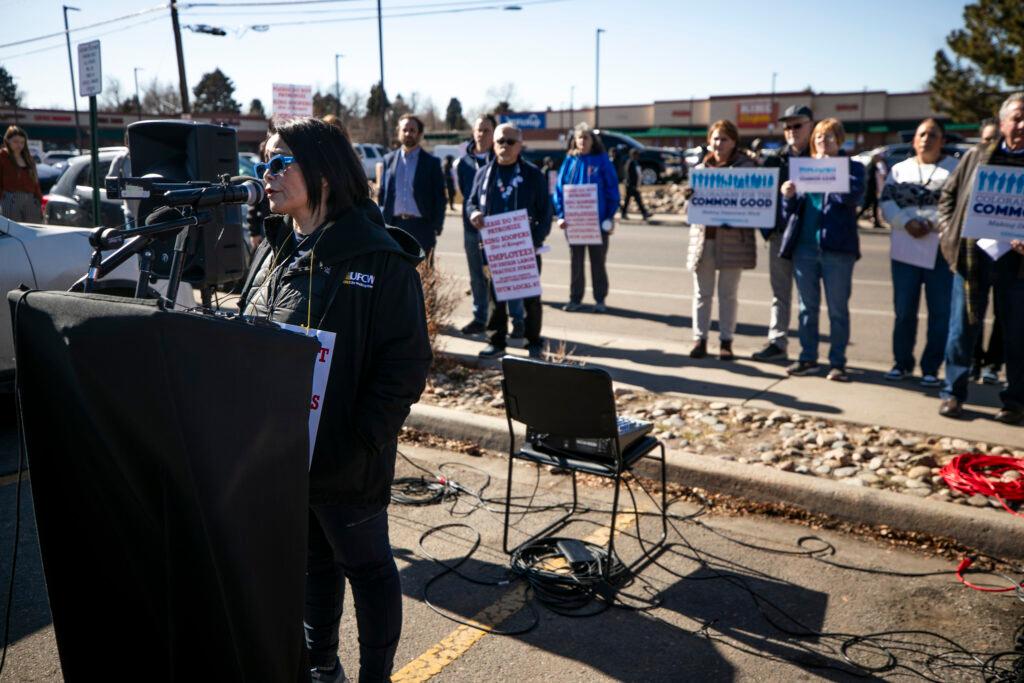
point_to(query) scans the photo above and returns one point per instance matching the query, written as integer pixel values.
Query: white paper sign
(831, 174)
(321, 371)
(737, 197)
(583, 225)
(996, 207)
(995, 249)
(917, 251)
(90, 69)
(511, 258)
(293, 100)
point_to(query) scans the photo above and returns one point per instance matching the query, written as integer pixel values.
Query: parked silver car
(54, 258)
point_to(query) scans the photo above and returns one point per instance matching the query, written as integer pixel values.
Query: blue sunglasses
(276, 165)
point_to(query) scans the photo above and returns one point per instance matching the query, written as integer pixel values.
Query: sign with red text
(582, 222)
(511, 257)
(755, 113)
(321, 371)
(293, 100)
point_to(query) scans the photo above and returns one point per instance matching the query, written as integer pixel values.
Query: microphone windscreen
(164, 213)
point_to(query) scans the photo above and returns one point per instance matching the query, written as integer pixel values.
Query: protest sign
(292, 100)
(996, 206)
(583, 226)
(511, 258)
(917, 251)
(738, 197)
(321, 371)
(831, 174)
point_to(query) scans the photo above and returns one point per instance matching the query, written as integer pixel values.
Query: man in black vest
(507, 183)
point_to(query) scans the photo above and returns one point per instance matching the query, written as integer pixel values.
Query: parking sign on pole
(90, 84)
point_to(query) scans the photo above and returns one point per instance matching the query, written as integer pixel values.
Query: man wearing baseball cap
(797, 122)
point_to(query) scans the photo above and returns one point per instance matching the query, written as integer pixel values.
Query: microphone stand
(132, 241)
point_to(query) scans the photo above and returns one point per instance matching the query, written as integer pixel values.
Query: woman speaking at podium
(328, 262)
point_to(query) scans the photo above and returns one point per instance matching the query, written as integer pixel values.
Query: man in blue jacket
(478, 152)
(508, 183)
(411, 194)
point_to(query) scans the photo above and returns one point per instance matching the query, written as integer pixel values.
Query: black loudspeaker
(181, 151)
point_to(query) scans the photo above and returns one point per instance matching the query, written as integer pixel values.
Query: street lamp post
(337, 85)
(138, 101)
(863, 103)
(771, 107)
(71, 67)
(572, 104)
(597, 79)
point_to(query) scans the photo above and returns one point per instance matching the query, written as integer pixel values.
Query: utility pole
(138, 102)
(182, 82)
(572, 104)
(71, 67)
(863, 103)
(337, 86)
(380, 47)
(771, 107)
(597, 80)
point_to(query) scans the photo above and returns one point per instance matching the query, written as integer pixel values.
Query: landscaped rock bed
(857, 455)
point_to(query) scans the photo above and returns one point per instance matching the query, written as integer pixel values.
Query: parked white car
(371, 155)
(54, 258)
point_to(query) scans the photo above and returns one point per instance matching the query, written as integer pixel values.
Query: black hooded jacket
(364, 287)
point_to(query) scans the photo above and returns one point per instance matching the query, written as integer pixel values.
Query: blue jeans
(906, 293)
(351, 542)
(1002, 277)
(811, 268)
(478, 284)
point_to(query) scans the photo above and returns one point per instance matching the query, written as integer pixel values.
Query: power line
(61, 34)
(90, 37)
(341, 10)
(410, 14)
(262, 3)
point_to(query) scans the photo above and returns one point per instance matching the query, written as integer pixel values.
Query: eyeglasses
(508, 142)
(276, 165)
(793, 126)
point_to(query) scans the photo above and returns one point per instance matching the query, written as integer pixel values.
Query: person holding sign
(587, 164)
(20, 196)
(909, 199)
(719, 250)
(329, 263)
(821, 238)
(980, 265)
(508, 184)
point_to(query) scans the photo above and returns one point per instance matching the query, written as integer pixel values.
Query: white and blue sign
(526, 119)
(738, 197)
(996, 207)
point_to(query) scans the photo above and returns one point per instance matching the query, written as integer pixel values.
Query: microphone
(249, 192)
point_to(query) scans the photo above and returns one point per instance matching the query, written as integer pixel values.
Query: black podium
(168, 458)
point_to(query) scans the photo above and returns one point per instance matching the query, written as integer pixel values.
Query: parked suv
(370, 155)
(69, 201)
(658, 164)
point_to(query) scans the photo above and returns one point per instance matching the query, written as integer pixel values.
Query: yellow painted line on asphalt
(459, 641)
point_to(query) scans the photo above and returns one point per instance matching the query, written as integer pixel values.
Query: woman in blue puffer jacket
(821, 239)
(587, 163)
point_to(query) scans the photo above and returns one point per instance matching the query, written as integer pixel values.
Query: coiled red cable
(973, 473)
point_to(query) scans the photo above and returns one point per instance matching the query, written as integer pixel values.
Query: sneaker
(700, 349)
(802, 367)
(990, 376)
(725, 350)
(771, 351)
(1010, 416)
(931, 381)
(838, 375)
(573, 306)
(599, 307)
(333, 675)
(473, 327)
(897, 374)
(536, 351)
(492, 351)
(950, 407)
(518, 329)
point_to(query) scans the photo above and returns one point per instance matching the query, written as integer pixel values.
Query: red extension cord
(974, 473)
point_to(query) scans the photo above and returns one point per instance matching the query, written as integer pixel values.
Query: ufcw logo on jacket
(358, 279)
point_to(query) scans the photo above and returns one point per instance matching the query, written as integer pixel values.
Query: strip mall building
(871, 118)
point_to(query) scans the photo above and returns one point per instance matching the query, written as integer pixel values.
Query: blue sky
(652, 50)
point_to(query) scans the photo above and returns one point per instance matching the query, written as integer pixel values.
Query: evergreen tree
(327, 103)
(453, 117)
(256, 109)
(215, 94)
(989, 59)
(9, 95)
(377, 101)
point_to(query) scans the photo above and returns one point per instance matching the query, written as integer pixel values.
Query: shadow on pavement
(30, 609)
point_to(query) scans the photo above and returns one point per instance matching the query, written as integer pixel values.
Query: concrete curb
(989, 530)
